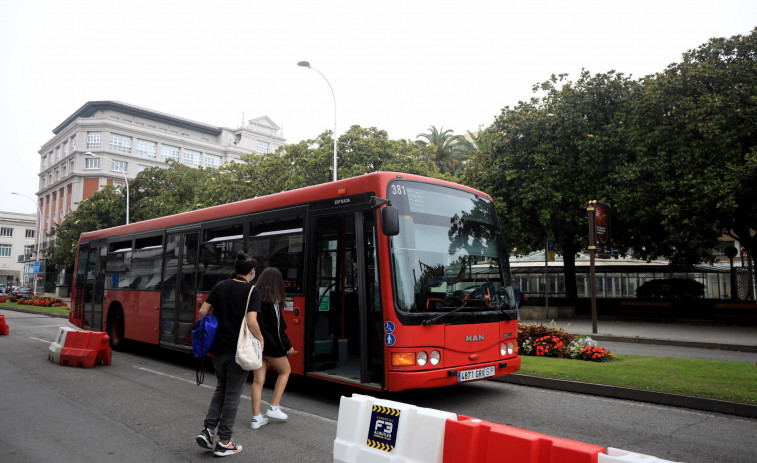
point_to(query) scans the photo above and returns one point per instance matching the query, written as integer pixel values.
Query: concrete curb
(674, 400)
(29, 311)
(666, 342)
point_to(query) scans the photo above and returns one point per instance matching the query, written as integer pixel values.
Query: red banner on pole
(602, 230)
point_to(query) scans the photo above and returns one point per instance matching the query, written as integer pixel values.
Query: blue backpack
(203, 334)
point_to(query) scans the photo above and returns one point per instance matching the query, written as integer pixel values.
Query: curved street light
(89, 153)
(39, 225)
(306, 64)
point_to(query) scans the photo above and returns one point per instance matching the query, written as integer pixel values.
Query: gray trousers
(223, 406)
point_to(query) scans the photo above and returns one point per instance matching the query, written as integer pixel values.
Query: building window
(6, 231)
(57, 153)
(30, 233)
(5, 250)
(119, 166)
(192, 158)
(120, 143)
(141, 167)
(73, 144)
(44, 181)
(263, 146)
(169, 152)
(28, 249)
(63, 170)
(212, 160)
(94, 140)
(44, 161)
(146, 149)
(56, 175)
(65, 149)
(91, 163)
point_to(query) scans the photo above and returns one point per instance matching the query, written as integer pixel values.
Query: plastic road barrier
(4, 329)
(85, 348)
(477, 441)
(56, 346)
(371, 430)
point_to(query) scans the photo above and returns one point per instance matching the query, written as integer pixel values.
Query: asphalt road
(145, 406)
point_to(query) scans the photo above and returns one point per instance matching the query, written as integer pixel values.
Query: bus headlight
(510, 348)
(503, 349)
(422, 358)
(436, 357)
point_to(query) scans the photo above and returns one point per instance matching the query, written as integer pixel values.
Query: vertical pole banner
(591, 209)
(602, 230)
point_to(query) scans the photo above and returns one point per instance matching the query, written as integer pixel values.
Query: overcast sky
(400, 66)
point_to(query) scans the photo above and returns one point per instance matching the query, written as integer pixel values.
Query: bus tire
(115, 328)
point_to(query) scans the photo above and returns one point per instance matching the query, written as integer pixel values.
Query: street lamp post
(89, 153)
(39, 225)
(306, 64)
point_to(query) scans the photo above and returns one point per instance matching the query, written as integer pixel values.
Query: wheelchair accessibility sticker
(389, 339)
(388, 326)
(382, 434)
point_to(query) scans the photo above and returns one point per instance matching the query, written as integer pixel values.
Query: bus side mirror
(390, 221)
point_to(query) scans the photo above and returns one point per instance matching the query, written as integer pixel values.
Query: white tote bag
(249, 354)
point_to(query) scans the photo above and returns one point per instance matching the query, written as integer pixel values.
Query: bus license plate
(470, 375)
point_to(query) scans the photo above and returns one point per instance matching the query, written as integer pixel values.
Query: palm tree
(450, 151)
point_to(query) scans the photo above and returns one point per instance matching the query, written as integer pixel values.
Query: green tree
(157, 192)
(545, 158)
(448, 151)
(694, 131)
(106, 208)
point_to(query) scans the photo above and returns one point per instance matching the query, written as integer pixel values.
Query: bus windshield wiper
(428, 322)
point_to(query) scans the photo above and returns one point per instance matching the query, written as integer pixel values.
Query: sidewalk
(739, 338)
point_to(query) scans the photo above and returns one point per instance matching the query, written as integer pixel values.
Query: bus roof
(368, 182)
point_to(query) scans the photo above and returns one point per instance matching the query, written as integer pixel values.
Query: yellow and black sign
(382, 434)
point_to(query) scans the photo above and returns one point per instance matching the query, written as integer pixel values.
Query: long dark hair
(271, 286)
(244, 263)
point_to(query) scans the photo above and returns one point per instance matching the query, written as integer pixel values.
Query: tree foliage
(447, 150)
(694, 133)
(106, 208)
(545, 158)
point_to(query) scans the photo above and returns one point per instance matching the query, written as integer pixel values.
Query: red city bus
(394, 281)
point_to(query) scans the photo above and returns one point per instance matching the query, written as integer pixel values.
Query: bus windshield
(447, 256)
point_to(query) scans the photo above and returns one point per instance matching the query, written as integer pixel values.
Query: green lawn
(712, 379)
(63, 310)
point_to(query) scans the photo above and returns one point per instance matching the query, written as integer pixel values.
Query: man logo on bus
(479, 337)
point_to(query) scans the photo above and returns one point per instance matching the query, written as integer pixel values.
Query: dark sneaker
(225, 450)
(205, 439)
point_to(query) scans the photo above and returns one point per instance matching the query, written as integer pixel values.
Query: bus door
(344, 311)
(177, 300)
(93, 278)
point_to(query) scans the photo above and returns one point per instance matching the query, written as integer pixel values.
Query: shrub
(545, 341)
(596, 354)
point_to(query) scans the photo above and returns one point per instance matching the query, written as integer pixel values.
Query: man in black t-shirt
(232, 301)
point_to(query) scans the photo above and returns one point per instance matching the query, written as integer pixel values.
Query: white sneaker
(276, 414)
(255, 424)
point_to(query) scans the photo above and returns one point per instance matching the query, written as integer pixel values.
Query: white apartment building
(129, 139)
(17, 242)
(134, 139)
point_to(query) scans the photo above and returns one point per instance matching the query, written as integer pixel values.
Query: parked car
(24, 292)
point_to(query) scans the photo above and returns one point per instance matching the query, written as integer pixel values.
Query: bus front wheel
(115, 329)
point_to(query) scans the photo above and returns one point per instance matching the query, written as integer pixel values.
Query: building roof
(91, 107)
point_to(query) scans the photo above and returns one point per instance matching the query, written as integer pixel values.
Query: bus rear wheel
(115, 329)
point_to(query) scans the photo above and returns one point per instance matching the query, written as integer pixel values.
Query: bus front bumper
(399, 380)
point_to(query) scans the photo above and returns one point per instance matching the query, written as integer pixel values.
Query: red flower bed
(36, 301)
